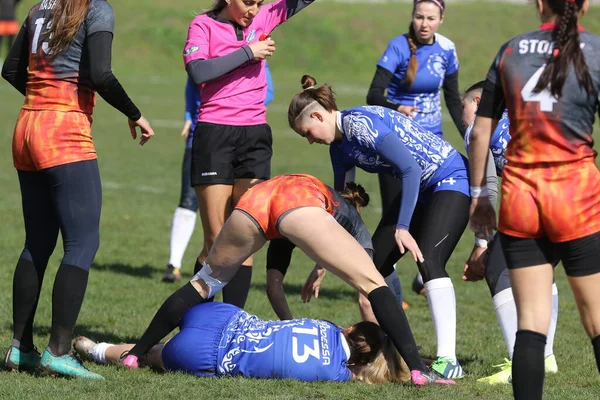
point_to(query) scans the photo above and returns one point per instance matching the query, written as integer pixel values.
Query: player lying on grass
(220, 339)
(299, 208)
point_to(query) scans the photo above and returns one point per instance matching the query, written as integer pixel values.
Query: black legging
(389, 188)
(66, 198)
(436, 226)
(496, 271)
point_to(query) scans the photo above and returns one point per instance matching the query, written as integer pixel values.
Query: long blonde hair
(67, 18)
(388, 366)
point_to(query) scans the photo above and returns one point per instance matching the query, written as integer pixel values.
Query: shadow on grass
(96, 333)
(324, 293)
(143, 271)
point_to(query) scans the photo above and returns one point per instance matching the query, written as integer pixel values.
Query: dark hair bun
(307, 81)
(357, 194)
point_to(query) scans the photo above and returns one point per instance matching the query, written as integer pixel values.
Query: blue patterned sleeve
(270, 89)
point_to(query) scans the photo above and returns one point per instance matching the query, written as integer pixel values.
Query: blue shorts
(454, 176)
(194, 350)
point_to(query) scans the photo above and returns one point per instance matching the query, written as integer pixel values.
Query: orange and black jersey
(69, 81)
(543, 128)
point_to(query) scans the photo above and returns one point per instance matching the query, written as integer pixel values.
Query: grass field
(339, 44)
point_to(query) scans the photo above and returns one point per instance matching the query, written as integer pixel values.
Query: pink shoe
(130, 362)
(429, 377)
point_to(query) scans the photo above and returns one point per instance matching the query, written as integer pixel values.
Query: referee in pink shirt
(225, 55)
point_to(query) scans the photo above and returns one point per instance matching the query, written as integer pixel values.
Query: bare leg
(318, 235)
(238, 239)
(154, 359)
(585, 290)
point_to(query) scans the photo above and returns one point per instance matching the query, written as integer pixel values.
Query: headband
(439, 4)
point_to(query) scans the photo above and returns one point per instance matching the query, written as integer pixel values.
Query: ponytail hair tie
(310, 87)
(556, 51)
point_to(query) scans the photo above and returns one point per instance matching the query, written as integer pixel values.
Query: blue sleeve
(190, 99)
(453, 64)
(339, 167)
(395, 54)
(270, 88)
(393, 151)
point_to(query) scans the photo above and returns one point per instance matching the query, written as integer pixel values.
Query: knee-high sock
(393, 282)
(27, 283)
(528, 365)
(549, 350)
(237, 289)
(67, 297)
(167, 318)
(442, 305)
(182, 228)
(506, 312)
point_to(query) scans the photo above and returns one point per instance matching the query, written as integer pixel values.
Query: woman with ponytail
(410, 74)
(426, 219)
(220, 339)
(225, 56)
(60, 59)
(549, 80)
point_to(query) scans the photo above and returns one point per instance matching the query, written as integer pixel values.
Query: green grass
(339, 44)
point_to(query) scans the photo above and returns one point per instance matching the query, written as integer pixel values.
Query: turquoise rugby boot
(16, 359)
(66, 365)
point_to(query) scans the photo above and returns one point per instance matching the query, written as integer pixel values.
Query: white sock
(549, 350)
(98, 352)
(182, 229)
(393, 283)
(506, 312)
(442, 305)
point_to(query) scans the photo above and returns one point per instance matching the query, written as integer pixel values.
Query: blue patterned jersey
(436, 61)
(498, 144)
(363, 129)
(303, 349)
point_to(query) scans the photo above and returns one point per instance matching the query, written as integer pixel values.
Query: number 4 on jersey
(544, 97)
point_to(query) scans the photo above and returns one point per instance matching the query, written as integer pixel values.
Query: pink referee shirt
(235, 98)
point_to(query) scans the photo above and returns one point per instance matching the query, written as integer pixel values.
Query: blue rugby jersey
(498, 144)
(303, 349)
(378, 139)
(436, 61)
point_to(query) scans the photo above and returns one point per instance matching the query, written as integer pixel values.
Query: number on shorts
(307, 351)
(544, 97)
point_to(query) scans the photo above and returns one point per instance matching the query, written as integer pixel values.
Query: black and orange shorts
(269, 201)
(558, 201)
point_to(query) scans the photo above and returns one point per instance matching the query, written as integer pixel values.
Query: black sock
(394, 323)
(236, 290)
(596, 344)
(167, 318)
(528, 365)
(197, 266)
(67, 296)
(27, 283)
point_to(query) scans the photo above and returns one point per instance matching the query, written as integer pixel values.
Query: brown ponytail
(413, 64)
(67, 18)
(356, 195)
(567, 50)
(323, 95)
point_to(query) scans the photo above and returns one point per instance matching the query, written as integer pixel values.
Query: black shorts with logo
(223, 153)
